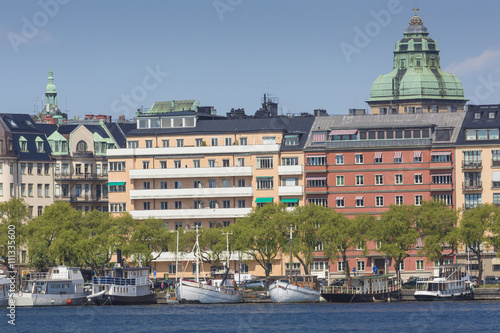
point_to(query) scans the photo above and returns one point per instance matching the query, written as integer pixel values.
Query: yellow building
(196, 169)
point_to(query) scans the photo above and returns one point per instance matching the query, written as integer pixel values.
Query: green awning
(262, 177)
(289, 200)
(116, 183)
(263, 200)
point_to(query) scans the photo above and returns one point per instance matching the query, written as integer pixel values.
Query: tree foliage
(14, 214)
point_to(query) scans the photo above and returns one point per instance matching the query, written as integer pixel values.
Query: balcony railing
(83, 154)
(82, 176)
(472, 186)
(87, 198)
(471, 165)
(471, 205)
(378, 143)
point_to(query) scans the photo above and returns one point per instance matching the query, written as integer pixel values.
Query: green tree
(212, 245)
(148, 240)
(260, 233)
(55, 237)
(307, 220)
(396, 233)
(340, 233)
(473, 230)
(437, 224)
(12, 228)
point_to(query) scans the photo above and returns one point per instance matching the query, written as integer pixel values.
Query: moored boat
(221, 288)
(4, 289)
(450, 282)
(298, 289)
(61, 285)
(123, 286)
(365, 288)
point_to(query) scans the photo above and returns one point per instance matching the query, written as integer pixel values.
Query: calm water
(368, 317)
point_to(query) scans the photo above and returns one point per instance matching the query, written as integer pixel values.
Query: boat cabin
(58, 280)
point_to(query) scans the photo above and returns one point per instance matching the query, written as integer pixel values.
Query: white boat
(61, 285)
(123, 286)
(4, 289)
(298, 288)
(301, 289)
(450, 282)
(220, 289)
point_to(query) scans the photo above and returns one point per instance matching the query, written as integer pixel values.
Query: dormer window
(291, 140)
(23, 144)
(418, 62)
(491, 115)
(433, 62)
(12, 123)
(39, 144)
(477, 115)
(402, 63)
(81, 146)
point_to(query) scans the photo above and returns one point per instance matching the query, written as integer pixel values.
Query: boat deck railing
(139, 281)
(39, 275)
(357, 290)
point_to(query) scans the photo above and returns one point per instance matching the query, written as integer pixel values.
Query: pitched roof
(97, 129)
(31, 154)
(19, 122)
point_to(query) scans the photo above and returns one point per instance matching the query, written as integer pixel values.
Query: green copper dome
(51, 87)
(416, 71)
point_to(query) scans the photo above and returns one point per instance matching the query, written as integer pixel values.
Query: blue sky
(111, 57)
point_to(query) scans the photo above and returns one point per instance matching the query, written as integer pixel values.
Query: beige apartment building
(195, 169)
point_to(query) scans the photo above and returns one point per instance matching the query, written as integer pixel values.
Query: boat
(297, 289)
(4, 289)
(450, 282)
(221, 288)
(123, 286)
(364, 288)
(61, 285)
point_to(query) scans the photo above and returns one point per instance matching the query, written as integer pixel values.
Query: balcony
(205, 213)
(290, 170)
(82, 176)
(203, 150)
(83, 198)
(378, 143)
(83, 154)
(191, 172)
(472, 165)
(187, 193)
(290, 190)
(472, 186)
(467, 206)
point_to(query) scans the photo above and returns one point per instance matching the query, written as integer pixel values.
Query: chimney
(320, 113)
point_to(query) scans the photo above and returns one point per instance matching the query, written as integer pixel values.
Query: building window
(399, 200)
(81, 146)
(145, 164)
(146, 205)
(417, 157)
(212, 183)
(23, 168)
(177, 164)
(379, 201)
(496, 198)
(402, 266)
(149, 143)
(340, 202)
(163, 164)
(178, 205)
(211, 164)
(177, 184)
(269, 140)
(241, 182)
(418, 178)
(163, 185)
(165, 143)
(243, 141)
(472, 157)
(472, 200)
(30, 168)
(39, 190)
(316, 160)
(214, 141)
(265, 183)
(47, 190)
(241, 203)
(196, 163)
(360, 201)
(316, 181)
(228, 141)
(398, 157)
(360, 180)
(442, 179)
(361, 266)
(340, 266)
(291, 140)
(132, 144)
(226, 204)
(116, 166)
(117, 207)
(318, 201)
(359, 158)
(225, 163)
(240, 162)
(418, 200)
(339, 159)
(146, 185)
(180, 142)
(378, 158)
(398, 179)
(340, 180)
(172, 269)
(265, 162)
(419, 265)
(39, 168)
(379, 179)
(30, 190)
(441, 158)
(226, 183)
(199, 142)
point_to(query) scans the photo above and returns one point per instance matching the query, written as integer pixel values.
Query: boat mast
(177, 256)
(227, 246)
(198, 255)
(291, 255)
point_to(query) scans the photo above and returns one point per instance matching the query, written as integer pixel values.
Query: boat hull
(192, 292)
(436, 297)
(359, 298)
(126, 300)
(30, 300)
(283, 292)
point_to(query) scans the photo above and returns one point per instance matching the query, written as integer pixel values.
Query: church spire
(50, 93)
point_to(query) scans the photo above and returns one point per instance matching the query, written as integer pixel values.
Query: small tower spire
(50, 93)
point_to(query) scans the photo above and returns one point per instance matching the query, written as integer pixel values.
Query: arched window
(81, 146)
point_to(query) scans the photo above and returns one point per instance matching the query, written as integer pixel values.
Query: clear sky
(111, 57)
